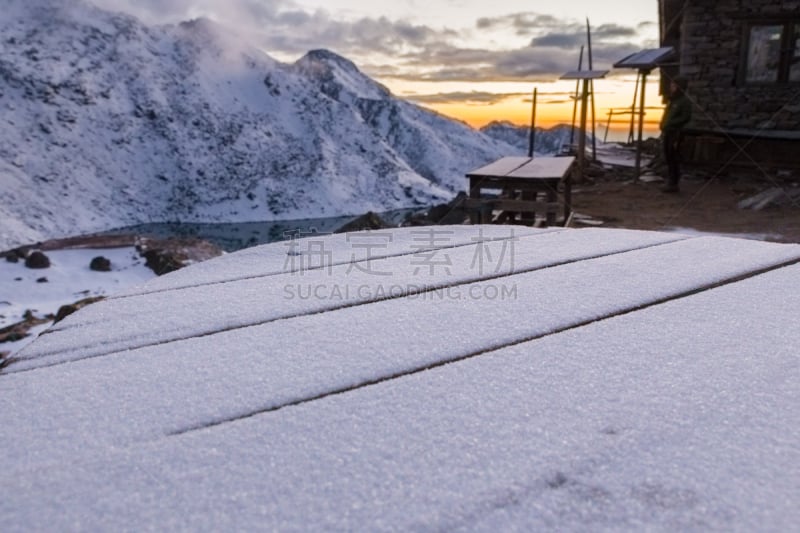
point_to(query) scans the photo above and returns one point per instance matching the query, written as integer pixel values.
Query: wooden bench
(529, 188)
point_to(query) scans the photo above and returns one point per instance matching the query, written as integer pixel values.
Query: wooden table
(529, 187)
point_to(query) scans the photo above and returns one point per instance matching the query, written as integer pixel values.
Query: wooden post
(633, 109)
(532, 137)
(582, 139)
(575, 105)
(591, 84)
(643, 90)
(475, 213)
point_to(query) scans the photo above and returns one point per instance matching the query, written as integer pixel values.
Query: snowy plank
(145, 394)
(154, 318)
(501, 167)
(271, 259)
(544, 167)
(669, 418)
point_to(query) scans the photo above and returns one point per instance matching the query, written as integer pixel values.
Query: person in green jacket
(676, 116)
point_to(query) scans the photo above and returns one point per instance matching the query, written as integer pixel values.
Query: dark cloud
(560, 40)
(451, 63)
(522, 23)
(469, 98)
(613, 31)
(574, 35)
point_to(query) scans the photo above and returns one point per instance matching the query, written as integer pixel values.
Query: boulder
(368, 221)
(37, 260)
(100, 264)
(167, 255)
(162, 261)
(65, 310)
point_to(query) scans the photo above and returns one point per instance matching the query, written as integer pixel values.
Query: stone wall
(711, 52)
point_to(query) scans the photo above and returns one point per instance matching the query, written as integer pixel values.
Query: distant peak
(500, 124)
(322, 55)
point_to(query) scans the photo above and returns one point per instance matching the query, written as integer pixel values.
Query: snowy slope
(604, 396)
(68, 279)
(108, 122)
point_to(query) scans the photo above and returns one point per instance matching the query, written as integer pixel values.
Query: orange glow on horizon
(555, 106)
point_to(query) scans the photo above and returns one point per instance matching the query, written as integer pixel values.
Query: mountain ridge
(110, 122)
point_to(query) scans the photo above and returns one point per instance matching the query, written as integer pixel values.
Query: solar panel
(646, 59)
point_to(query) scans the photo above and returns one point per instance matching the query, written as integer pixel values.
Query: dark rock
(65, 310)
(12, 258)
(162, 261)
(12, 336)
(100, 264)
(42, 280)
(452, 212)
(167, 255)
(18, 253)
(37, 260)
(368, 221)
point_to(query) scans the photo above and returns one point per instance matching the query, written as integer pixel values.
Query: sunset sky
(473, 60)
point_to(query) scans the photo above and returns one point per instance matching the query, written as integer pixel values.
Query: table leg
(567, 197)
(474, 193)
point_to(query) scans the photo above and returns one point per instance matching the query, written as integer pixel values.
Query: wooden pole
(632, 129)
(532, 137)
(582, 138)
(575, 105)
(591, 83)
(641, 125)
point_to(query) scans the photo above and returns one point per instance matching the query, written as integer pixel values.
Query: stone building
(742, 60)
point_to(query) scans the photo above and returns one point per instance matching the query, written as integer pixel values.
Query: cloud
(560, 40)
(469, 98)
(172, 11)
(522, 23)
(548, 46)
(282, 26)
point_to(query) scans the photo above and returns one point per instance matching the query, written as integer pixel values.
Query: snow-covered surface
(107, 122)
(68, 280)
(619, 155)
(697, 233)
(628, 380)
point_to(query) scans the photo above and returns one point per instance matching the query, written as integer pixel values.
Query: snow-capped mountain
(108, 122)
(548, 141)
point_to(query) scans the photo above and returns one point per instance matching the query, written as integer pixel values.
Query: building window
(773, 53)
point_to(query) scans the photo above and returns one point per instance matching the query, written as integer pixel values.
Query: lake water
(236, 236)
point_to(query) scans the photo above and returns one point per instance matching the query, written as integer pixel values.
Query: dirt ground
(707, 204)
